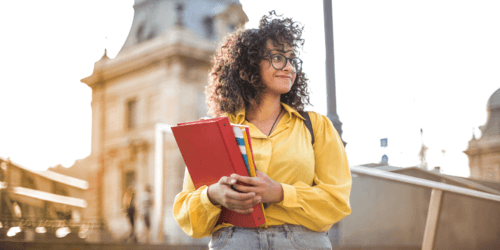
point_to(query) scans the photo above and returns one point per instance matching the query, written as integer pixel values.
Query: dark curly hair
(235, 81)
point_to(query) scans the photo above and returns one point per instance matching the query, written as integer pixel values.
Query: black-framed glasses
(279, 62)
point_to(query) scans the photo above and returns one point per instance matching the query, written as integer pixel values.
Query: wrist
(279, 193)
(211, 198)
(282, 193)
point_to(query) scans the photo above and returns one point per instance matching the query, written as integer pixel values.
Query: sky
(400, 66)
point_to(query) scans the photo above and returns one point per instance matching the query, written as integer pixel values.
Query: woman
(256, 80)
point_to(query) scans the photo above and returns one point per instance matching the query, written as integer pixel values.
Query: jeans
(275, 237)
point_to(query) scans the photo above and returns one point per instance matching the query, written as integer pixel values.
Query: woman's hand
(221, 193)
(270, 190)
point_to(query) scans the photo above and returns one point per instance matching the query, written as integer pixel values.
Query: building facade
(39, 203)
(484, 153)
(159, 76)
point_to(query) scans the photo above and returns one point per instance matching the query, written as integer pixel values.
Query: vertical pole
(101, 167)
(158, 187)
(159, 210)
(3, 166)
(330, 68)
(432, 219)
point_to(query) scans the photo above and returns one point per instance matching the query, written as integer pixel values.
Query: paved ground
(19, 245)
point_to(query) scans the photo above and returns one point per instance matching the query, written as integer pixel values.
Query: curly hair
(235, 81)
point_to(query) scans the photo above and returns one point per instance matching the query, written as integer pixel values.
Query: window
(59, 189)
(128, 180)
(27, 181)
(131, 116)
(139, 35)
(208, 22)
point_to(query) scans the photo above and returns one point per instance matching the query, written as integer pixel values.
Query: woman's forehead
(285, 47)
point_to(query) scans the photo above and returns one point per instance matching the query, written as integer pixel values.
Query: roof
(153, 18)
(453, 180)
(492, 184)
(492, 126)
(390, 176)
(67, 180)
(494, 101)
(45, 196)
(380, 166)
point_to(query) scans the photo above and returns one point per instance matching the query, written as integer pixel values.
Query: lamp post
(330, 69)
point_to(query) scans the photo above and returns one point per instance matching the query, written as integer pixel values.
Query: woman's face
(277, 81)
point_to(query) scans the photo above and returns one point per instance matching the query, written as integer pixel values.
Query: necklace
(275, 122)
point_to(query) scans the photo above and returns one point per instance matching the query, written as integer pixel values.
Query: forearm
(194, 213)
(316, 207)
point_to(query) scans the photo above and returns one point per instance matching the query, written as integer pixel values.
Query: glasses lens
(278, 61)
(296, 64)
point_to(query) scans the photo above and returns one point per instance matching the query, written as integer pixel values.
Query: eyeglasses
(279, 62)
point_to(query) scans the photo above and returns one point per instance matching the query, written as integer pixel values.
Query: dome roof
(494, 101)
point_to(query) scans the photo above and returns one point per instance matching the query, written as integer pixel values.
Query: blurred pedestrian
(128, 204)
(147, 204)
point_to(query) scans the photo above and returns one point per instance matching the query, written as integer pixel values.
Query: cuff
(289, 196)
(206, 201)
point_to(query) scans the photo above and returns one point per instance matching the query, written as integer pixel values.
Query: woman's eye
(277, 58)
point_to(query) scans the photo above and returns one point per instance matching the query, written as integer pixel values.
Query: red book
(210, 151)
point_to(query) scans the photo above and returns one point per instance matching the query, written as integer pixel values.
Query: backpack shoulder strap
(308, 124)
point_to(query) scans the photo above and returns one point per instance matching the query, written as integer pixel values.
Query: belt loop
(288, 232)
(230, 234)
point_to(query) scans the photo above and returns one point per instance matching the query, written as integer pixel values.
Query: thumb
(230, 181)
(260, 174)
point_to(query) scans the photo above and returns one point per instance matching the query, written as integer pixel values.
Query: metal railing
(435, 200)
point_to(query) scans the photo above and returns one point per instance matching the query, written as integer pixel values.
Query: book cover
(210, 151)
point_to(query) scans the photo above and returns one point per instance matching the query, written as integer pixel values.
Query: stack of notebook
(213, 148)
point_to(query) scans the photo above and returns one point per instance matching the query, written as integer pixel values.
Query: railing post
(432, 219)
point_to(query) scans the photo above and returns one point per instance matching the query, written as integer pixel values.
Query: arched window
(208, 23)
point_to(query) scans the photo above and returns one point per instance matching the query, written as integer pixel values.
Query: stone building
(158, 77)
(484, 153)
(38, 203)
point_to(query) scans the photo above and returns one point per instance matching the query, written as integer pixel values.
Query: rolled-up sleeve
(320, 206)
(193, 211)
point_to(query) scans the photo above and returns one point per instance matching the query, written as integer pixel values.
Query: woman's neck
(268, 109)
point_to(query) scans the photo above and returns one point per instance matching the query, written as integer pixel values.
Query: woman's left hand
(268, 189)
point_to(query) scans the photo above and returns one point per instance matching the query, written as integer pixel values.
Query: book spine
(233, 150)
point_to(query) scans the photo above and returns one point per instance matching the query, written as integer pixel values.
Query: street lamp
(330, 69)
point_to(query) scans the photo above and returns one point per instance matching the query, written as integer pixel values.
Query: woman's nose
(288, 66)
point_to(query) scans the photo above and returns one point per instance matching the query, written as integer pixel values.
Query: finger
(259, 173)
(237, 204)
(243, 211)
(248, 180)
(227, 180)
(244, 189)
(235, 195)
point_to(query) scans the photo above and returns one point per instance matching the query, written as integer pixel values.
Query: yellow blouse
(316, 180)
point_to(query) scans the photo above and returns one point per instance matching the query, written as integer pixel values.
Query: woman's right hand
(221, 193)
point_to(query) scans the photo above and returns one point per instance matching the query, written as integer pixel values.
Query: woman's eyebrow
(282, 51)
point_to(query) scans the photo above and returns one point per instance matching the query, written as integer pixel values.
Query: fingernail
(233, 181)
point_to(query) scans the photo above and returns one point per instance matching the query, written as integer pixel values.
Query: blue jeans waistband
(281, 228)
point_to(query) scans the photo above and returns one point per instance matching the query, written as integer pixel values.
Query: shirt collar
(239, 116)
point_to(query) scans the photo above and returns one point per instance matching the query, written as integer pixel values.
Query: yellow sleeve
(193, 211)
(327, 202)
